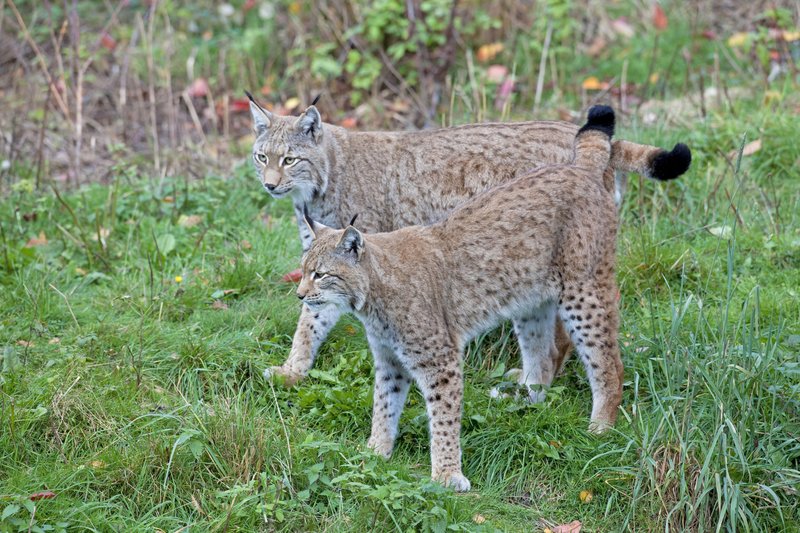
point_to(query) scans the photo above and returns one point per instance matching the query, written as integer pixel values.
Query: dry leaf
(749, 149)
(246, 245)
(54, 340)
(659, 18)
(189, 221)
(738, 39)
(573, 527)
(219, 305)
(586, 496)
(41, 240)
(294, 276)
(292, 103)
(26, 344)
(349, 122)
(97, 464)
(790, 36)
(496, 73)
(350, 330)
(44, 495)
(593, 84)
(722, 232)
(487, 52)
(479, 519)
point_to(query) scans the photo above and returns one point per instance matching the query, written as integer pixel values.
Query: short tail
(650, 161)
(593, 141)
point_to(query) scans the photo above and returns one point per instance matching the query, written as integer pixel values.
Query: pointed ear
(352, 242)
(310, 123)
(261, 117)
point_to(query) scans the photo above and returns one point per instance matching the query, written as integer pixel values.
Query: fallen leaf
(659, 18)
(245, 244)
(198, 89)
(749, 149)
(738, 39)
(349, 122)
(189, 221)
(80, 271)
(496, 73)
(722, 232)
(593, 84)
(350, 330)
(108, 42)
(44, 495)
(219, 304)
(54, 340)
(97, 464)
(573, 527)
(168, 199)
(41, 240)
(586, 496)
(791, 35)
(479, 519)
(487, 52)
(709, 34)
(622, 27)
(26, 344)
(292, 103)
(293, 277)
(29, 217)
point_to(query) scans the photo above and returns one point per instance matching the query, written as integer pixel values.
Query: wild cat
(532, 249)
(396, 179)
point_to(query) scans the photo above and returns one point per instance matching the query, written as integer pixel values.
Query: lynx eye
(289, 161)
(261, 158)
(318, 275)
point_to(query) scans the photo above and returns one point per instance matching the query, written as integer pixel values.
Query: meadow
(138, 312)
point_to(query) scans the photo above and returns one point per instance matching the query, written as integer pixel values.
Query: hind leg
(540, 362)
(592, 320)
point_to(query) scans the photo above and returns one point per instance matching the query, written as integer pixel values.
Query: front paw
(381, 446)
(599, 426)
(286, 377)
(454, 480)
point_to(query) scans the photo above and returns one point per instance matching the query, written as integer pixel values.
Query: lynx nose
(270, 187)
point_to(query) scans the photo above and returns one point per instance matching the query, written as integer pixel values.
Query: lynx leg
(312, 329)
(535, 333)
(592, 321)
(391, 388)
(441, 382)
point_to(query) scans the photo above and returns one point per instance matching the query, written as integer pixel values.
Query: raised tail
(593, 141)
(650, 161)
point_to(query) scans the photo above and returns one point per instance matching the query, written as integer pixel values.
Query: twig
(542, 66)
(71, 312)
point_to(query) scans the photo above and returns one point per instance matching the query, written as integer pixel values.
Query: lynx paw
(380, 446)
(281, 375)
(454, 480)
(598, 427)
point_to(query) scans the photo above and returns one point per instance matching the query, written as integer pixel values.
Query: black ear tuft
(250, 97)
(601, 118)
(316, 99)
(669, 165)
(353, 220)
(307, 217)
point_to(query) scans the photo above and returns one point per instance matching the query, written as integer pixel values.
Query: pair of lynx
(466, 227)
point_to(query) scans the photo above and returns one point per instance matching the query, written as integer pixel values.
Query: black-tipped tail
(601, 118)
(669, 165)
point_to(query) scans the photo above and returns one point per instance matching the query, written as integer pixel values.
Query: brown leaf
(43, 495)
(597, 46)
(26, 344)
(479, 518)
(29, 217)
(219, 304)
(487, 52)
(245, 244)
(33, 242)
(108, 42)
(293, 277)
(54, 340)
(573, 527)
(749, 149)
(189, 221)
(586, 496)
(659, 18)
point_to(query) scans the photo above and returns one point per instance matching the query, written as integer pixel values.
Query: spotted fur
(397, 179)
(538, 247)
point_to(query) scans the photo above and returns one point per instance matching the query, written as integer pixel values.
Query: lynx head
(289, 153)
(333, 273)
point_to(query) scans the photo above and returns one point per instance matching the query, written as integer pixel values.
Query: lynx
(537, 247)
(393, 180)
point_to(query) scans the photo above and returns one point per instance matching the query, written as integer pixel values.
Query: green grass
(149, 411)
